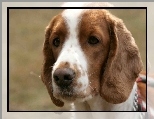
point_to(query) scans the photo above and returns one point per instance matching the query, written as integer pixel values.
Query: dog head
(87, 53)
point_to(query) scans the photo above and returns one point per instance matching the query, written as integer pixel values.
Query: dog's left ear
(123, 64)
(47, 68)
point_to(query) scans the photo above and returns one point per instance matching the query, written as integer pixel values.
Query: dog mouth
(69, 95)
(67, 92)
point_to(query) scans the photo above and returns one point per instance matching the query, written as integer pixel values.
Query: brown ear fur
(123, 64)
(47, 68)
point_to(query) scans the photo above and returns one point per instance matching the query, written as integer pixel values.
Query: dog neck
(97, 104)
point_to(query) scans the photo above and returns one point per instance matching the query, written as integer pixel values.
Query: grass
(27, 91)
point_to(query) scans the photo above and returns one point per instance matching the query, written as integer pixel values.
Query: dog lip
(68, 95)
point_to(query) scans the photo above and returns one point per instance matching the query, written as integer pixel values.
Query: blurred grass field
(26, 36)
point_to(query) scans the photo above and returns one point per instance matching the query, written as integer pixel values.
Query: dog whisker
(91, 87)
(49, 82)
(34, 74)
(92, 73)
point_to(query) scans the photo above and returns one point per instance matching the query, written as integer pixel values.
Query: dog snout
(63, 77)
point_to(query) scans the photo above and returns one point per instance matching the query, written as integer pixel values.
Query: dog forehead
(72, 14)
(72, 18)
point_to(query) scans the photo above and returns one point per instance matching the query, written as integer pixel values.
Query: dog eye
(56, 42)
(93, 40)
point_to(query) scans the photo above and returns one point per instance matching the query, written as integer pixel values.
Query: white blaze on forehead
(71, 51)
(72, 17)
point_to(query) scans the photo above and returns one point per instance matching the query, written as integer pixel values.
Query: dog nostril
(63, 76)
(68, 77)
(56, 78)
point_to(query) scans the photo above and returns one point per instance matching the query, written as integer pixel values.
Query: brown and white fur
(91, 62)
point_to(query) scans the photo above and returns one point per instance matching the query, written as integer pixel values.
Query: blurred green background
(26, 36)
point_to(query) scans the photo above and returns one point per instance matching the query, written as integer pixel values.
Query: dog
(91, 62)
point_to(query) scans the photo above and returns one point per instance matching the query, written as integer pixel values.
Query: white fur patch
(71, 51)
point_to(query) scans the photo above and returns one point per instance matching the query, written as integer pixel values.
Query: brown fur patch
(115, 61)
(93, 24)
(57, 28)
(123, 65)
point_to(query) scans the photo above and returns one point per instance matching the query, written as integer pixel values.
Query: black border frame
(8, 8)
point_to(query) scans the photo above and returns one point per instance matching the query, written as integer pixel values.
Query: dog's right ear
(123, 64)
(47, 67)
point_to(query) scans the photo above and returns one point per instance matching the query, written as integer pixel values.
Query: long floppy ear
(123, 64)
(47, 68)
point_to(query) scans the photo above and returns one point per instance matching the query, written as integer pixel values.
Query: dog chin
(71, 98)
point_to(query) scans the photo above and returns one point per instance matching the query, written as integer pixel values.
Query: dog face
(89, 53)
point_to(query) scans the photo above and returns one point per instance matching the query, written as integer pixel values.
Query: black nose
(63, 76)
